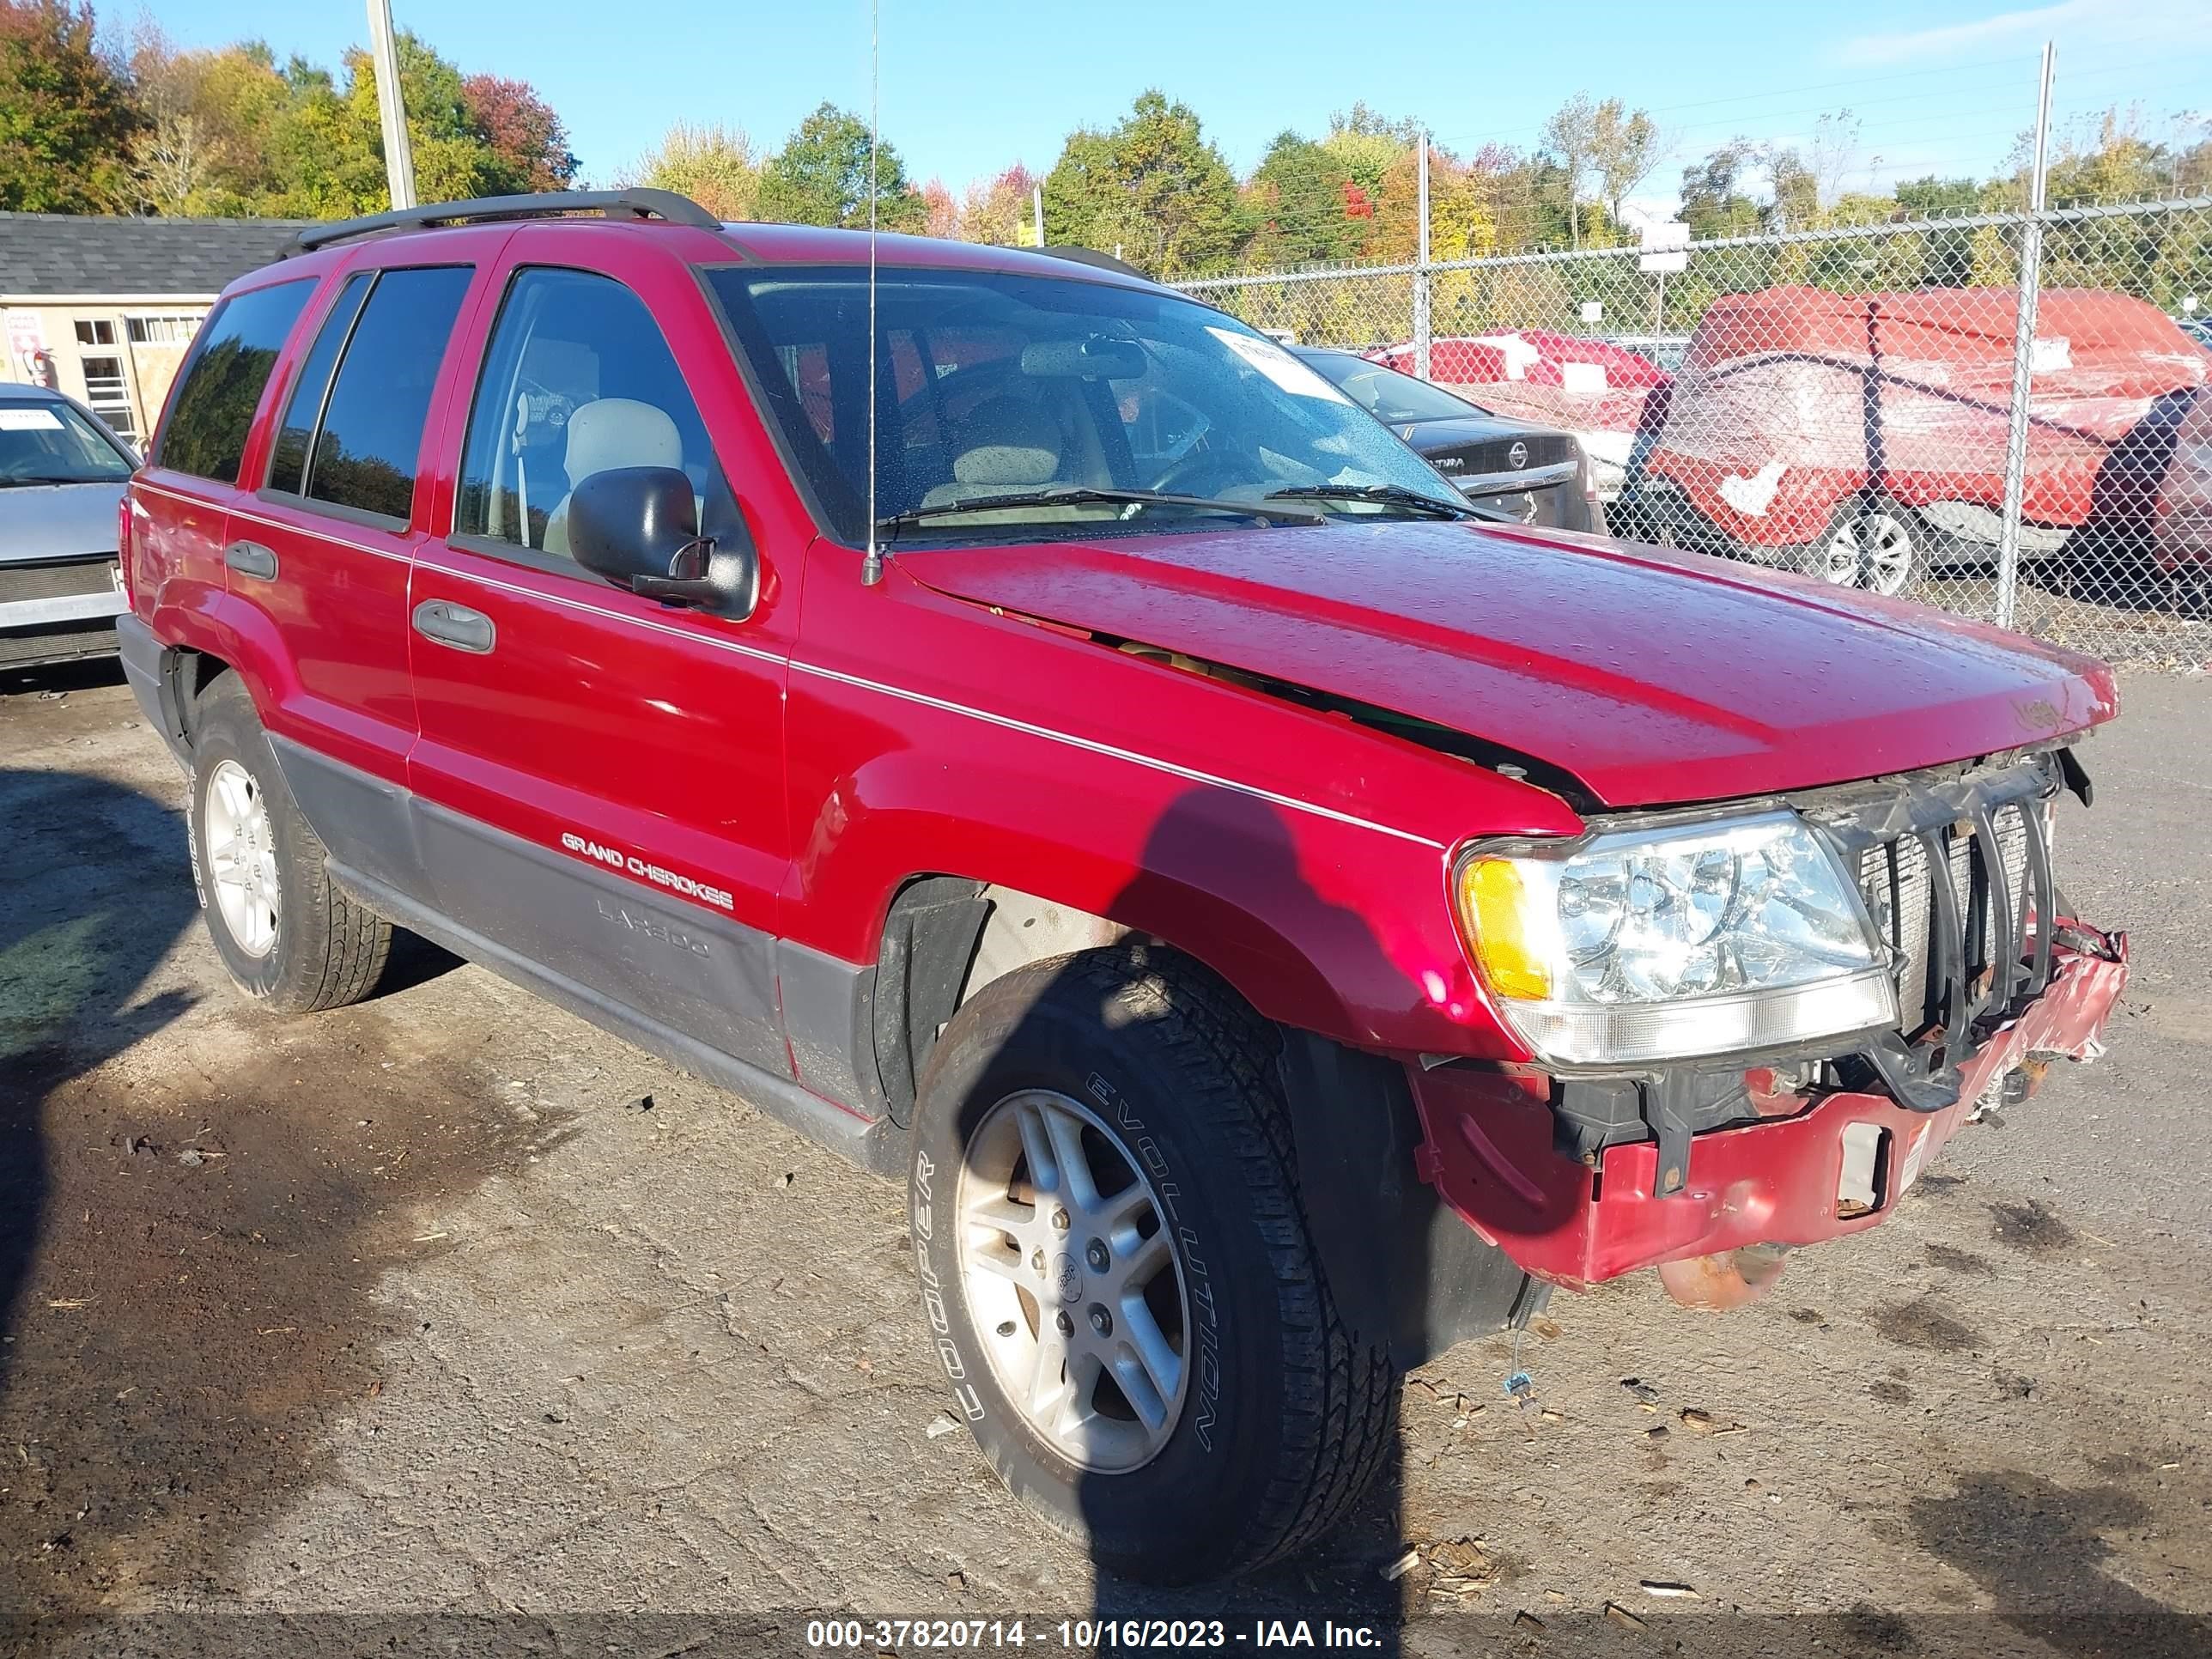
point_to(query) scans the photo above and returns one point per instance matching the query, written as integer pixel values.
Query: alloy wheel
(1074, 1280)
(241, 856)
(1870, 548)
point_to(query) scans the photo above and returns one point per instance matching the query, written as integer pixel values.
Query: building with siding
(103, 308)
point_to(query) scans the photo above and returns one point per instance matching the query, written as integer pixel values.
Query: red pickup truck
(1035, 736)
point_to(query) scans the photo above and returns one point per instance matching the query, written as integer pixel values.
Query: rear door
(324, 550)
(179, 498)
(599, 776)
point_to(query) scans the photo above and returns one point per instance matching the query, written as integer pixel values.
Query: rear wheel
(289, 939)
(1118, 1276)
(1872, 543)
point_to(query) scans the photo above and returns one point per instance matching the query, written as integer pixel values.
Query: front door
(600, 777)
(325, 547)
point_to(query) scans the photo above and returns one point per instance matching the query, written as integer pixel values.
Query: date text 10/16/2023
(1083, 1634)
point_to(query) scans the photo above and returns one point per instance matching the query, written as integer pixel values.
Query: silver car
(61, 473)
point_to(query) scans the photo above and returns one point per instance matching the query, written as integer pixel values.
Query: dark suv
(1278, 923)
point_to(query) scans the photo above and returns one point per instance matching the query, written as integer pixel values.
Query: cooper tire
(305, 945)
(1285, 1418)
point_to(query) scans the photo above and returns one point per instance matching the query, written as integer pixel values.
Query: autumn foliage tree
(714, 166)
(66, 116)
(522, 130)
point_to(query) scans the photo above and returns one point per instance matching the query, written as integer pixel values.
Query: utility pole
(1421, 274)
(1036, 207)
(398, 153)
(2023, 355)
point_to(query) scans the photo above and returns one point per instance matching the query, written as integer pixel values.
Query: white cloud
(2006, 28)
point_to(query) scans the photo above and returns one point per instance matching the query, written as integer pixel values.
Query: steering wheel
(1200, 468)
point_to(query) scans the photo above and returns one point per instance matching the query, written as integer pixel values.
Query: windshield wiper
(1078, 495)
(50, 478)
(1383, 495)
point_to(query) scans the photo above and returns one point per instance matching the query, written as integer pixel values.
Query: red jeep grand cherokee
(1280, 926)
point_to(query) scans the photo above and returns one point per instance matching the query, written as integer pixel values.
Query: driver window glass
(577, 379)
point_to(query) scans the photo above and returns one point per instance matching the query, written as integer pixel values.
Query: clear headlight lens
(1673, 942)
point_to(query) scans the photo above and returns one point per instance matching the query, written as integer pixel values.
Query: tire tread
(1342, 1394)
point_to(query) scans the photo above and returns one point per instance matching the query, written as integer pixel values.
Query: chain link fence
(1859, 404)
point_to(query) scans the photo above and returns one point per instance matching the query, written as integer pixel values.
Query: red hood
(1653, 676)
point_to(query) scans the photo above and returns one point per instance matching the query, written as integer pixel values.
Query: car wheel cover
(241, 857)
(1072, 1281)
(1871, 549)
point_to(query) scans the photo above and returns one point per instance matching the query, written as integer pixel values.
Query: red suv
(1034, 734)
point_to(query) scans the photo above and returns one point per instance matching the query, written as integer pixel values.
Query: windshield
(992, 385)
(1387, 394)
(43, 442)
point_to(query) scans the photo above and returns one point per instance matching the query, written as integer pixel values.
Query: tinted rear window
(221, 384)
(364, 454)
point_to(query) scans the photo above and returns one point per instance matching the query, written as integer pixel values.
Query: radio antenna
(872, 567)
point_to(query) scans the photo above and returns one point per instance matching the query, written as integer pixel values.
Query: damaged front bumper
(1709, 1173)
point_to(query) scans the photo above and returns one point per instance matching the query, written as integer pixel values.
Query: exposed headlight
(1673, 942)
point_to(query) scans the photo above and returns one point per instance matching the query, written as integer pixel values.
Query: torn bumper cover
(1582, 1180)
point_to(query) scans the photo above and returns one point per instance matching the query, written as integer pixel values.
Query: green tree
(1298, 203)
(1623, 149)
(820, 177)
(1571, 137)
(1154, 186)
(1714, 202)
(712, 165)
(66, 119)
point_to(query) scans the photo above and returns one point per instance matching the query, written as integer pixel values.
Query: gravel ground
(447, 1324)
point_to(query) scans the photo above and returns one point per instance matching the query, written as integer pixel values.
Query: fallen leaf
(1527, 1620)
(1621, 1615)
(1544, 1326)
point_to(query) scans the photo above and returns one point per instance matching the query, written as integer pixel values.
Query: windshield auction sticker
(1278, 365)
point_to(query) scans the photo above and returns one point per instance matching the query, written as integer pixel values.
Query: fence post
(1421, 274)
(2023, 357)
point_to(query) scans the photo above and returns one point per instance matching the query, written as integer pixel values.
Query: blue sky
(1941, 86)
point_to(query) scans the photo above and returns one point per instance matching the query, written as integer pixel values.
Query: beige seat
(1008, 444)
(613, 432)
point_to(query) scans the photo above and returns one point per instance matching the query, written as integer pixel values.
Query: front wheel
(1872, 543)
(1118, 1273)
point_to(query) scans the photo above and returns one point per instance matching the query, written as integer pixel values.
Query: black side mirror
(638, 527)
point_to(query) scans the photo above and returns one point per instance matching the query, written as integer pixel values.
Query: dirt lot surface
(448, 1325)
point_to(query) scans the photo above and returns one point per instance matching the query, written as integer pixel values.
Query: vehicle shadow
(191, 1227)
(1213, 848)
(2035, 1546)
(78, 939)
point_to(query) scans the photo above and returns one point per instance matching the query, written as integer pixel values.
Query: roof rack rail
(550, 205)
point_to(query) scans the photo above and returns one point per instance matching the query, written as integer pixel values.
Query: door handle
(455, 625)
(251, 559)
